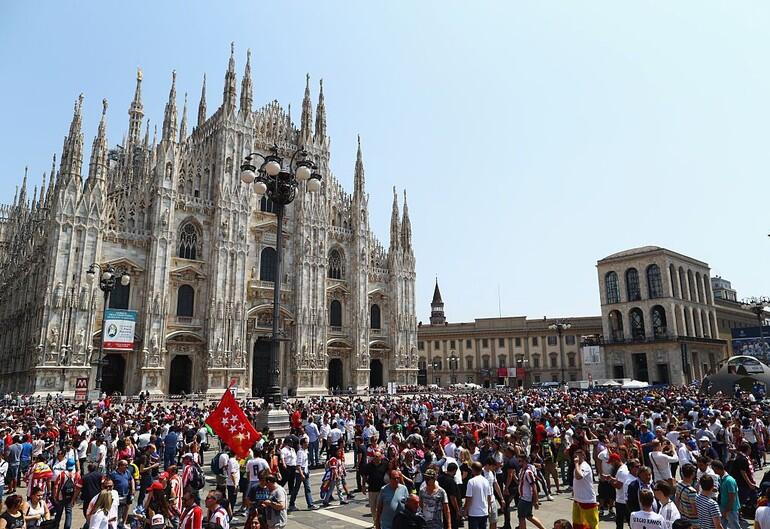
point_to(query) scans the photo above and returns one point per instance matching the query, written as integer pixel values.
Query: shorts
(524, 509)
(13, 473)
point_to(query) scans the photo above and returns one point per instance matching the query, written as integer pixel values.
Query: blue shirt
(170, 442)
(26, 451)
(122, 482)
(392, 502)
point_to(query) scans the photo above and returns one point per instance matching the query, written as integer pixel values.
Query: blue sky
(533, 138)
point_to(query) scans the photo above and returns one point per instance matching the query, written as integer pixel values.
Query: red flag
(232, 426)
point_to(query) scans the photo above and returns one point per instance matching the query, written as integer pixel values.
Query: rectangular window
(484, 343)
(569, 340)
(537, 378)
(437, 381)
(501, 361)
(501, 342)
(451, 344)
(420, 346)
(552, 340)
(536, 362)
(485, 362)
(554, 378)
(468, 344)
(518, 342)
(468, 362)
(534, 341)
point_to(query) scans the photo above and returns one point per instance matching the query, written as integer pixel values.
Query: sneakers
(343, 502)
(313, 508)
(549, 497)
(292, 508)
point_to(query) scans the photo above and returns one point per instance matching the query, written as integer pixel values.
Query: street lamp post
(560, 326)
(758, 305)
(436, 365)
(453, 366)
(108, 280)
(280, 185)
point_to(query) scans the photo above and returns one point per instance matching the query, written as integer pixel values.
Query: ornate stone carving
(53, 336)
(58, 294)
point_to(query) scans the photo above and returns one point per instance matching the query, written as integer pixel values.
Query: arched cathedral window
(374, 317)
(189, 245)
(336, 268)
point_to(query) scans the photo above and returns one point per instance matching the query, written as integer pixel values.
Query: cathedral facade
(199, 247)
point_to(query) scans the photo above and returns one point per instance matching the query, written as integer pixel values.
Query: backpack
(215, 469)
(197, 480)
(68, 488)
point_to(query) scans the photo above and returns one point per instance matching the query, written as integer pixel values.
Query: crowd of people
(667, 458)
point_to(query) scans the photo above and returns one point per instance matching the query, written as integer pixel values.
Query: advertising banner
(119, 326)
(748, 341)
(591, 354)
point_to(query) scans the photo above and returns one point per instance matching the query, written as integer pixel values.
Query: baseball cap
(158, 521)
(156, 485)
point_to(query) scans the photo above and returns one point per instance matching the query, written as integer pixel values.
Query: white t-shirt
(478, 489)
(661, 464)
(646, 520)
(604, 457)
(622, 475)
(762, 518)
(99, 520)
(232, 468)
(670, 514)
(583, 489)
(113, 514)
(255, 466)
(83, 449)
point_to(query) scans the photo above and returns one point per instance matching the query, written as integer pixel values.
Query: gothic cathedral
(198, 246)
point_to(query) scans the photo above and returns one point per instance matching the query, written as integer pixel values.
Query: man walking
(478, 499)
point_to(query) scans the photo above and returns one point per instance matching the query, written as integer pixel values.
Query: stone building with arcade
(659, 317)
(168, 208)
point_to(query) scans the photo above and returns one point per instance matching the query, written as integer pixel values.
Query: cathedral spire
(97, 169)
(43, 189)
(147, 134)
(183, 125)
(52, 181)
(406, 228)
(358, 177)
(228, 96)
(72, 152)
(136, 112)
(320, 115)
(246, 86)
(23, 192)
(169, 116)
(395, 225)
(202, 104)
(306, 120)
